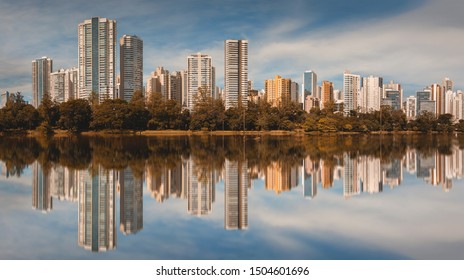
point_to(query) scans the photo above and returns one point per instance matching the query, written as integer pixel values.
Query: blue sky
(414, 42)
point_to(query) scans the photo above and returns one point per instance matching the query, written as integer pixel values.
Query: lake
(232, 197)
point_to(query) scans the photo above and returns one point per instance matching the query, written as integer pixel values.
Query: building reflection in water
(236, 184)
(41, 195)
(131, 201)
(96, 228)
(194, 179)
(200, 189)
(281, 177)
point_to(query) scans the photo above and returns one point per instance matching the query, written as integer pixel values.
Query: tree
(138, 114)
(208, 113)
(49, 111)
(111, 114)
(75, 115)
(19, 115)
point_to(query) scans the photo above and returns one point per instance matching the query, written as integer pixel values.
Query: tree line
(209, 114)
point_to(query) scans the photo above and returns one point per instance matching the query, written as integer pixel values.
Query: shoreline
(157, 133)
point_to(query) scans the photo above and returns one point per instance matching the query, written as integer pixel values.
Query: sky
(413, 42)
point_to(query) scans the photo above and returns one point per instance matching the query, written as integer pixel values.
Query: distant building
(310, 90)
(5, 97)
(200, 76)
(411, 107)
(41, 69)
(278, 90)
(392, 98)
(351, 89)
(131, 64)
(159, 82)
(327, 93)
(294, 92)
(64, 85)
(371, 94)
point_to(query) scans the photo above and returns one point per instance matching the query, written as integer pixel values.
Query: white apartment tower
(64, 85)
(41, 69)
(236, 73)
(131, 64)
(200, 75)
(371, 94)
(351, 89)
(96, 58)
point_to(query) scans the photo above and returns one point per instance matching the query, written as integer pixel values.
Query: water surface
(207, 197)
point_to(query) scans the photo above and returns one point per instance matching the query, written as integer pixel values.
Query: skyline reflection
(168, 172)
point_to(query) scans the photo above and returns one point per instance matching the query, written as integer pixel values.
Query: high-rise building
(41, 69)
(97, 58)
(64, 85)
(159, 82)
(176, 80)
(131, 64)
(294, 92)
(327, 93)
(411, 107)
(447, 85)
(371, 94)
(310, 91)
(200, 76)
(439, 97)
(5, 97)
(351, 89)
(278, 91)
(236, 73)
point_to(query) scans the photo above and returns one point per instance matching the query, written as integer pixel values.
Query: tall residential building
(294, 92)
(131, 64)
(175, 85)
(310, 91)
(278, 91)
(439, 97)
(447, 85)
(64, 84)
(236, 73)
(97, 58)
(327, 93)
(200, 76)
(236, 195)
(159, 82)
(5, 97)
(41, 69)
(351, 89)
(411, 107)
(371, 94)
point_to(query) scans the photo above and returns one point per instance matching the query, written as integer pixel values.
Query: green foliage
(18, 115)
(111, 114)
(208, 113)
(165, 114)
(75, 115)
(49, 111)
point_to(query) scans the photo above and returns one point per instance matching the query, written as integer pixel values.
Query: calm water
(344, 197)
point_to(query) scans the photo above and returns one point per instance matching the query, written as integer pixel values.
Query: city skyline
(387, 39)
